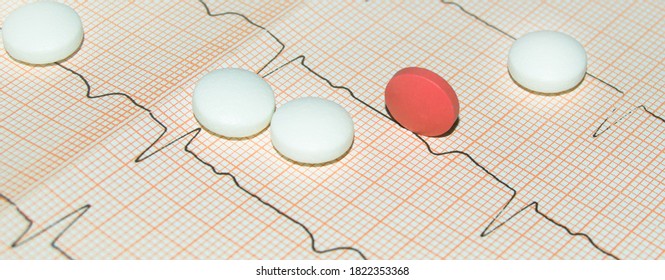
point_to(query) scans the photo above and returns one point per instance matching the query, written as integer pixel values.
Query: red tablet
(422, 101)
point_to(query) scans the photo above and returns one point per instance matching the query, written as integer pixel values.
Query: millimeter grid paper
(102, 158)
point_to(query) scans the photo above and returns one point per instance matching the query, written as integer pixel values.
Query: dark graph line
(598, 131)
(205, 6)
(495, 28)
(488, 229)
(145, 155)
(268, 204)
(651, 113)
(478, 18)
(606, 83)
(302, 62)
(194, 133)
(24, 238)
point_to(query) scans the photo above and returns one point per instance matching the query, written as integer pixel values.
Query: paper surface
(102, 158)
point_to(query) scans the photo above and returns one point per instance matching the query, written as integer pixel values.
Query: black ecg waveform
(487, 231)
(144, 155)
(598, 131)
(24, 238)
(78, 213)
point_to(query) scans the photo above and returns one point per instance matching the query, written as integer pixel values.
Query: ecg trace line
(194, 133)
(487, 231)
(205, 6)
(600, 130)
(23, 238)
(144, 155)
(596, 133)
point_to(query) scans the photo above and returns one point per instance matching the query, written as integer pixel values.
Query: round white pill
(547, 61)
(42, 32)
(233, 102)
(311, 130)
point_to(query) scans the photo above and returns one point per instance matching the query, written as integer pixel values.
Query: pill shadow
(445, 134)
(450, 131)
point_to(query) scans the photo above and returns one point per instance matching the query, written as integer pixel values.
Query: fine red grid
(630, 64)
(54, 194)
(98, 49)
(328, 13)
(598, 115)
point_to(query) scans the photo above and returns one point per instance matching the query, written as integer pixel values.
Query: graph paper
(103, 159)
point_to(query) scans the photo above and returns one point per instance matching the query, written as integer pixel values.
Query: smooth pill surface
(312, 130)
(42, 32)
(547, 61)
(422, 101)
(233, 102)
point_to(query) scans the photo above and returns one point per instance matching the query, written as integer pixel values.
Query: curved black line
(282, 46)
(194, 133)
(495, 28)
(262, 201)
(600, 130)
(478, 18)
(606, 83)
(145, 155)
(142, 156)
(488, 229)
(651, 113)
(302, 62)
(22, 239)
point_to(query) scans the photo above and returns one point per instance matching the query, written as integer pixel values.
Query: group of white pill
(237, 103)
(233, 103)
